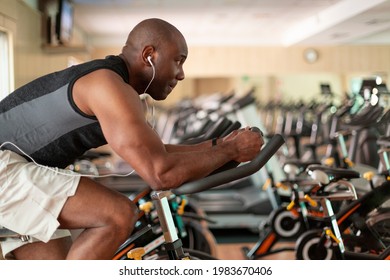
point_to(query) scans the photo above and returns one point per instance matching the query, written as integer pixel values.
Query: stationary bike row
(285, 223)
(360, 225)
(161, 240)
(295, 215)
(360, 230)
(288, 222)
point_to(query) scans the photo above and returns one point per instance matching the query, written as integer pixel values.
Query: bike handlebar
(230, 175)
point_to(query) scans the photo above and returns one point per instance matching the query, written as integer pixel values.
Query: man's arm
(172, 148)
(120, 113)
(200, 146)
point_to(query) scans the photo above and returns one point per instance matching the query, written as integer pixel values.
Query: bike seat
(302, 164)
(333, 174)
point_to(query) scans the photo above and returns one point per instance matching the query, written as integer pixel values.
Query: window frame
(7, 81)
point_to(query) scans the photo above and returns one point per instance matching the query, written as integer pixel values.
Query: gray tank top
(42, 119)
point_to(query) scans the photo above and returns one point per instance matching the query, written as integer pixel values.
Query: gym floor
(233, 251)
(230, 244)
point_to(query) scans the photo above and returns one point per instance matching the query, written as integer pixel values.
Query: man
(58, 117)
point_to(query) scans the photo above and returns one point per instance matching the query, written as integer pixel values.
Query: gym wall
(275, 72)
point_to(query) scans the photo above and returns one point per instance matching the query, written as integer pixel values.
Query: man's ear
(148, 51)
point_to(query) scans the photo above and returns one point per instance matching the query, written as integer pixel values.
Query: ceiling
(242, 22)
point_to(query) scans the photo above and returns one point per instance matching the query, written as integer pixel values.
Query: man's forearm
(188, 148)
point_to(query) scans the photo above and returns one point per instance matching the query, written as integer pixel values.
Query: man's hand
(247, 143)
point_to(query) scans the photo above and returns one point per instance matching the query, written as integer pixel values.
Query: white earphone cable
(58, 171)
(153, 74)
(152, 123)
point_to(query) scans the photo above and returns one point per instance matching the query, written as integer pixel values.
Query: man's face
(168, 65)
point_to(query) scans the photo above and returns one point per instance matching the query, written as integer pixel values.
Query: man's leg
(55, 249)
(107, 216)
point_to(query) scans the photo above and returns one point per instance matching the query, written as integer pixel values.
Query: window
(6, 69)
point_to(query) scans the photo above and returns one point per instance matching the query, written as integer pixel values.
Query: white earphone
(149, 58)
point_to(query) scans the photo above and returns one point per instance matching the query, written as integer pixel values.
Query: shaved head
(153, 32)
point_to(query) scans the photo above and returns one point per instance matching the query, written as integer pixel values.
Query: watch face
(311, 55)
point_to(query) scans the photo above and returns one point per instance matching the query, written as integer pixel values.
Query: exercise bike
(147, 243)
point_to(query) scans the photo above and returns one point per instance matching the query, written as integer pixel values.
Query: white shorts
(31, 199)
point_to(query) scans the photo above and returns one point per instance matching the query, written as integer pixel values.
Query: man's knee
(127, 215)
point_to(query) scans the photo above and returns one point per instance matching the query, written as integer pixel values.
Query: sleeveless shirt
(42, 119)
